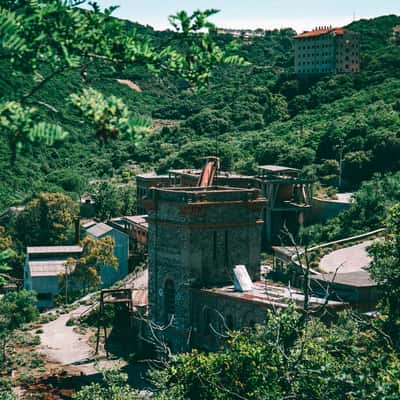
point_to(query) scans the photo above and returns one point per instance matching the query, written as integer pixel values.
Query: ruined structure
(289, 199)
(289, 196)
(196, 237)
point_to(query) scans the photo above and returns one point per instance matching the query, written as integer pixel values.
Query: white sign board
(241, 280)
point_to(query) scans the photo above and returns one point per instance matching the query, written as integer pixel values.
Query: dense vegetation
(342, 130)
(258, 114)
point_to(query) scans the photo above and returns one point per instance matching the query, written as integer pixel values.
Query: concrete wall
(324, 209)
(219, 311)
(348, 53)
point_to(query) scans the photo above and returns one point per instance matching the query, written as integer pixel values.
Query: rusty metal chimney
(77, 230)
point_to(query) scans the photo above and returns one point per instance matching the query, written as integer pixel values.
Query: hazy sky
(300, 15)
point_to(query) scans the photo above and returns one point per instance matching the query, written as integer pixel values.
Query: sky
(251, 14)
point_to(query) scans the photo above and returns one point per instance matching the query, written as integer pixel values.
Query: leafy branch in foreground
(109, 115)
(10, 40)
(48, 38)
(19, 125)
(199, 53)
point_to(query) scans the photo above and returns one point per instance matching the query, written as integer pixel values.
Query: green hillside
(258, 115)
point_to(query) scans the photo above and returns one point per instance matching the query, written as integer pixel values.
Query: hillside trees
(368, 212)
(112, 200)
(46, 219)
(6, 254)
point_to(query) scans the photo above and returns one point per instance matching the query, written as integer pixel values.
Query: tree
(46, 219)
(16, 309)
(84, 274)
(47, 38)
(110, 116)
(108, 200)
(115, 388)
(4, 267)
(284, 359)
(385, 270)
(6, 255)
(21, 128)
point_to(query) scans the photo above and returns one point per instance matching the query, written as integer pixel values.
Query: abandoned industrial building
(206, 229)
(201, 232)
(290, 197)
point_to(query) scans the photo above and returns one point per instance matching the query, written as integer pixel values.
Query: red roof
(319, 32)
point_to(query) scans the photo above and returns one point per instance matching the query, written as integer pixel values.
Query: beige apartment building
(327, 50)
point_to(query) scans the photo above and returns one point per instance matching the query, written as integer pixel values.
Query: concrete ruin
(197, 236)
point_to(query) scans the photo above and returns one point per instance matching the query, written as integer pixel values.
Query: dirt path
(62, 344)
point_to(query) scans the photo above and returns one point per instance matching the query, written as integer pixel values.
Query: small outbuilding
(109, 274)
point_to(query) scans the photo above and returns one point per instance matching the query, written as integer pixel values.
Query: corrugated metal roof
(47, 268)
(272, 293)
(99, 229)
(53, 249)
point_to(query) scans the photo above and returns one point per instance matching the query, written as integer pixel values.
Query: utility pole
(341, 143)
(66, 284)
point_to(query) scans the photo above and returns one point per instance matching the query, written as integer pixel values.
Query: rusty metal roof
(140, 297)
(137, 219)
(272, 294)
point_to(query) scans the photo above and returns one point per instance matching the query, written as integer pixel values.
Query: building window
(226, 248)
(215, 245)
(44, 297)
(229, 322)
(169, 298)
(207, 331)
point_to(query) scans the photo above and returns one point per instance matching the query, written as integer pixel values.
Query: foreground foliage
(385, 270)
(16, 309)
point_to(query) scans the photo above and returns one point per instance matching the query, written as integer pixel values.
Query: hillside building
(327, 50)
(109, 274)
(43, 267)
(289, 201)
(136, 227)
(396, 35)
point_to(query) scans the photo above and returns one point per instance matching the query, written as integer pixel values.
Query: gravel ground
(349, 259)
(62, 344)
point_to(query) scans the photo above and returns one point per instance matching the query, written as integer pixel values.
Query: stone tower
(196, 237)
